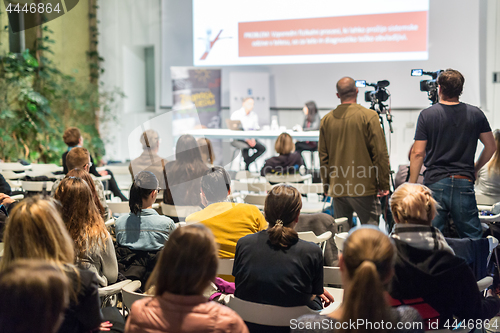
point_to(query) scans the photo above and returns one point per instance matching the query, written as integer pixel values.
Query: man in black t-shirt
(446, 136)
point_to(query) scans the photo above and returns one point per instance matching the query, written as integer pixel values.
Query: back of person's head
(77, 172)
(284, 144)
(77, 158)
(206, 150)
(312, 109)
(150, 139)
(368, 260)
(281, 209)
(188, 262)
(144, 183)
(33, 297)
(85, 224)
(187, 150)
(216, 185)
(35, 230)
(413, 204)
(451, 83)
(494, 163)
(71, 136)
(346, 88)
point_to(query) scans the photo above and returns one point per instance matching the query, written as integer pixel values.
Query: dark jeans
(259, 149)
(456, 197)
(113, 187)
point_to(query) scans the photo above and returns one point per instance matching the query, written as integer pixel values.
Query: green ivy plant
(38, 102)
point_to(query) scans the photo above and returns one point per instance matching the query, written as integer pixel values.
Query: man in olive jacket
(354, 158)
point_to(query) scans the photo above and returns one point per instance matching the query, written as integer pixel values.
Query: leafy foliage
(38, 102)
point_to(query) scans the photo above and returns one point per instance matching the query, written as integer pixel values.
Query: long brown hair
(282, 207)
(79, 213)
(494, 163)
(90, 182)
(368, 257)
(35, 230)
(187, 263)
(33, 296)
(188, 159)
(413, 204)
(206, 150)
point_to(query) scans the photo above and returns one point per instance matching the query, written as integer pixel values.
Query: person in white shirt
(250, 122)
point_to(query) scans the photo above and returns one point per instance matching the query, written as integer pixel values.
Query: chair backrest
(45, 167)
(308, 236)
(225, 267)
(238, 186)
(309, 188)
(14, 167)
(246, 175)
(340, 239)
(342, 224)
(255, 199)
(119, 207)
(178, 211)
(9, 174)
(295, 178)
(129, 296)
(265, 314)
(37, 186)
(17, 197)
(331, 275)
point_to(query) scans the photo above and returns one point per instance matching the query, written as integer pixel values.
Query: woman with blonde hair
(35, 230)
(94, 248)
(287, 162)
(34, 287)
(366, 266)
(187, 265)
(427, 268)
(488, 177)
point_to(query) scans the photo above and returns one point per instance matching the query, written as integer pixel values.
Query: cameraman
(446, 136)
(353, 156)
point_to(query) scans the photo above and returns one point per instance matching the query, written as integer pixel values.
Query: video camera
(377, 96)
(430, 86)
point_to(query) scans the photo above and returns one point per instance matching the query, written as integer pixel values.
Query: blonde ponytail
(368, 257)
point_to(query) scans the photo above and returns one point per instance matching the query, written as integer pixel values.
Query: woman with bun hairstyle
(366, 266)
(274, 266)
(426, 266)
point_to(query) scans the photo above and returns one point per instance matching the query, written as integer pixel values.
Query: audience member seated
(33, 297)
(311, 123)
(426, 267)
(4, 186)
(287, 162)
(186, 266)
(90, 182)
(143, 228)
(79, 158)
(183, 175)
(93, 245)
(6, 206)
(228, 221)
(207, 151)
(35, 230)
(403, 174)
(488, 177)
(274, 266)
(366, 266)
(149, 159)
(73, 138)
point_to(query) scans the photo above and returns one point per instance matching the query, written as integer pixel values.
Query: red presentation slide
(375, 33)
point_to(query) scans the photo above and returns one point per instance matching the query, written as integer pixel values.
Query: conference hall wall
(443, 34)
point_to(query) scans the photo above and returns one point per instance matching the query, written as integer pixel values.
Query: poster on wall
(196, 101)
